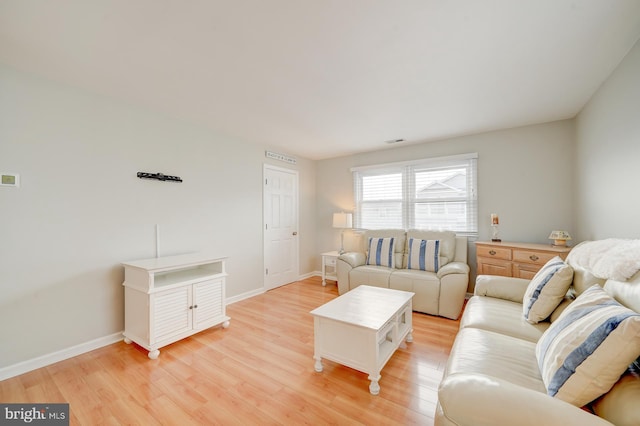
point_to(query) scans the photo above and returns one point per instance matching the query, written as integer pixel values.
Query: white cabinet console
(169, 298)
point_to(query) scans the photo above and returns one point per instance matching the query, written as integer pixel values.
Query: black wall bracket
(159, 176)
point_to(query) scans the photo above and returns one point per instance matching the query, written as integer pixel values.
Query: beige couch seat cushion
(377, 276)
(621, 404)
(484, 352)
(501, 316)
(425, 285)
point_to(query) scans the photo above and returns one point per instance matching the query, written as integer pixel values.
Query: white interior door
(280, 226)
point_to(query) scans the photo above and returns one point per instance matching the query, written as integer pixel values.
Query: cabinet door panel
(525, 271)
(171, 314)
(494, 267)
(209, 299)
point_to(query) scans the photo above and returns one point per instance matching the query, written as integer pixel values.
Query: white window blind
(436, 193)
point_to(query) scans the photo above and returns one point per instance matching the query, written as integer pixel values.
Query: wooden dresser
(520, 260)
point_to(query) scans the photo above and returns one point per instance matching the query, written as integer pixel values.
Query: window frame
(410, 200)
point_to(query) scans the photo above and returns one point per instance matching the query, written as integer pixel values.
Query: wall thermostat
(9, 179)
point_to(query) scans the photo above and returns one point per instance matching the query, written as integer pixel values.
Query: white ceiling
(324, 78)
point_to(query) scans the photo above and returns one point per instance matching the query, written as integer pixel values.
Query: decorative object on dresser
(559, 238)
(495, 232)
(329, 261)
(342, 221)
(519, 260)
(170, 298)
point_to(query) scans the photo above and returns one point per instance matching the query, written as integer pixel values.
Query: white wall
(607, 154)
(524, 175)
(81, 210)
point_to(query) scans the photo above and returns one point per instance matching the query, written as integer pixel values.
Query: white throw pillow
(584, 352)
(424, 255)
(380, 252)
(546, 290)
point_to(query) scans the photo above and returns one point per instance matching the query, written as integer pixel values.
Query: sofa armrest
(479, 400)
(354, 259)
(345, 263)
(507, 288)
(453, 268)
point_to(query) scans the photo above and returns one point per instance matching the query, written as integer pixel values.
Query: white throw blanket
(613, 258)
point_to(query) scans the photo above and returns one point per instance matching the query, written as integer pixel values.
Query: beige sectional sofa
(493, 375)
(437, 293)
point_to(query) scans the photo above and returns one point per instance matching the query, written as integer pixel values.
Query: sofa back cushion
(399, 242)
(626, 293)
(595, 262)
(447, 245)
(424, 255)
(546, 290)
(584, 352)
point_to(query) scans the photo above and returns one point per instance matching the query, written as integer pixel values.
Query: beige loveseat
(437, 293)
(493, 376)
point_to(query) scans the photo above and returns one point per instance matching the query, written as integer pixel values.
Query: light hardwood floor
(258, 371)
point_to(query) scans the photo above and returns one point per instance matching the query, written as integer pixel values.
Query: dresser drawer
(494, 252)
(330, 261)
(532, 257)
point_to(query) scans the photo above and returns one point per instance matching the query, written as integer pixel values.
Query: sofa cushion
(546, 290)
(425, 285)
(424, 255)
(484, 352)
(447, 244)
(377, 276)
(586, 350)
(380, 252)
(501, 316)
(620, 405)
(399, 238)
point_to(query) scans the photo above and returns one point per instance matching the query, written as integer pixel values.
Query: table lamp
(343, 221)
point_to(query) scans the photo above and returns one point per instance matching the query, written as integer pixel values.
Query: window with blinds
(436, 193)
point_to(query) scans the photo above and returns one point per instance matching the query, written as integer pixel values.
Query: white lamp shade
(342, 220)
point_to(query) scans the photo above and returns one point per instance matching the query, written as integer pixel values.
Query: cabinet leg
(154, 354)
(374, 387)
(318, 365)
(324, 283)
(225, 324)
(409, 338)
(127, 340)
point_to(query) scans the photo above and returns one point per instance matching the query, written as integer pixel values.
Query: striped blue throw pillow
(424, 254)
(546, 290)
(585, 351)
(380, 252)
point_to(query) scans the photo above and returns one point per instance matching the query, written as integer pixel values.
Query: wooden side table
(520, 260)
(329, 261)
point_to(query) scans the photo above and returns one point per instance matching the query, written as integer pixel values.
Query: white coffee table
(362, 329)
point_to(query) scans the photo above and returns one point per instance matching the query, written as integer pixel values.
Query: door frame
(296, 250)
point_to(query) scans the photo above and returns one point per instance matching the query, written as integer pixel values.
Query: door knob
(295, 232)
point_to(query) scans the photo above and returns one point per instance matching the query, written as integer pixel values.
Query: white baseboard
(247, 295)
(61, 355)
(309, 275)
